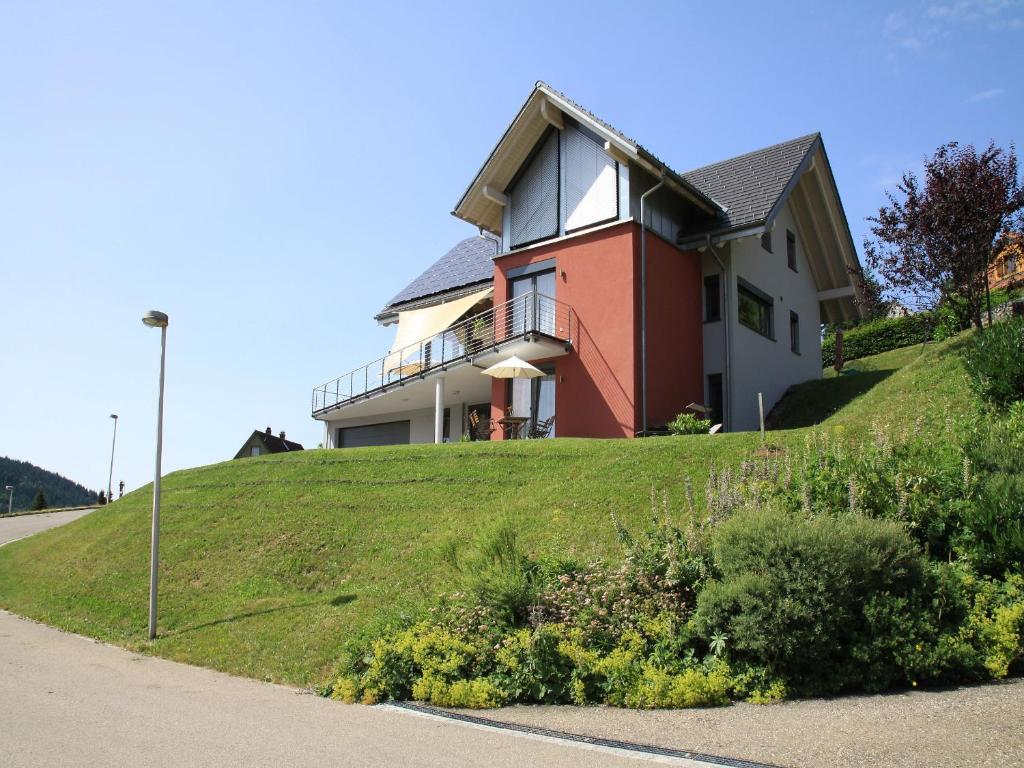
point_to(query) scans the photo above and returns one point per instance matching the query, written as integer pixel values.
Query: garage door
(392, 433)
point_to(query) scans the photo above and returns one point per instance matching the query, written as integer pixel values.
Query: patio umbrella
(513, 368)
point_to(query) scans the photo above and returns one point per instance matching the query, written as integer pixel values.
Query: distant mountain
(28, 479)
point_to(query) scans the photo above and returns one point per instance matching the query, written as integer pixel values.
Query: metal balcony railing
(517, 319)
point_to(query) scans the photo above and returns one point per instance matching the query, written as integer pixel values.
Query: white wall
(760, 364)
(421, 424)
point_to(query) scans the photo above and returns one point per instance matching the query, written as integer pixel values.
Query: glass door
(538, 314)
(534, 399)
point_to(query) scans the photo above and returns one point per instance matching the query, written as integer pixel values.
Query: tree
(935, 244)
(40, 501)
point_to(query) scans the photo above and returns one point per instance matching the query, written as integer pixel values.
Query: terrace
(532, 326)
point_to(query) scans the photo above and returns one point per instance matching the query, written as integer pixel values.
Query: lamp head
(113, 416)
(155, 319)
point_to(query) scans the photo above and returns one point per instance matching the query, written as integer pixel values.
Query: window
(536, 313)
(714, 402)
(791, 250)
(254, 451)
(755, 309)
(535, 398)
(766, 240)
(534, 196)
(712, 299)
(591, 181)
(794, 332)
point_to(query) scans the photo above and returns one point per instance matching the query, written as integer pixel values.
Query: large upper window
(569, 183)
(534, 196)
(755, 309)
(591, 181)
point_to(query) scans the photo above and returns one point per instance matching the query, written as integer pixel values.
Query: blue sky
(271, 174)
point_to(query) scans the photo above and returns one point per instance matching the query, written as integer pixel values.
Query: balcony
(532, 326)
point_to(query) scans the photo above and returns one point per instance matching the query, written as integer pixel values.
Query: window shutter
(591, 193)
(535, 197)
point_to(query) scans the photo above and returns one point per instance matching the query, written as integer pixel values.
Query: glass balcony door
(538, 315)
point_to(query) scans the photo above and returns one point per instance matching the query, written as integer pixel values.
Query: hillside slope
(27, 479)
(267, 564)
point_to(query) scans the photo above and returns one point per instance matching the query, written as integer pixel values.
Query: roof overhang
(481, 204)
(822, 226)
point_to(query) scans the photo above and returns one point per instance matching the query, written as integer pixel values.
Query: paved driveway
(20, 526)
(67, 700)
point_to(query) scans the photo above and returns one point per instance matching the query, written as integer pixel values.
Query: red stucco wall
(675, 330)
(597, 384)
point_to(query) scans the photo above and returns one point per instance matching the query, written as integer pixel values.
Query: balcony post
(439, 410)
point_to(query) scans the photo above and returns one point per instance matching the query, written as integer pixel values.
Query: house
(1007, 268)
(261, 443)
(719, 297)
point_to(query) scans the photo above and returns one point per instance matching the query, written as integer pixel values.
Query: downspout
(727, 335)
(643, 306)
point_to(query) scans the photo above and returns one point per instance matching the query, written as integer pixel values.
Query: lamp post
(10, 497)
(110, 477)
(155, 319)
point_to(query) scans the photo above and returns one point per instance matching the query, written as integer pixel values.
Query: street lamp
(110, 477)
(156, 319)
(10, 497)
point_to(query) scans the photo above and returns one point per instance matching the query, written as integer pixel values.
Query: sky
(270, 174)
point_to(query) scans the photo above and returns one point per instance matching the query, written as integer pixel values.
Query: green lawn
(268, 563)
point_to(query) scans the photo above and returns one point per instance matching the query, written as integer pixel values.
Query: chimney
(268, 432)
(282, 434)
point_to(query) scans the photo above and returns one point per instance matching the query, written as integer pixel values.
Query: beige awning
(416, 325)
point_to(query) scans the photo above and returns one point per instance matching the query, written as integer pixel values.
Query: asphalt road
(20, 526)
(68, 700)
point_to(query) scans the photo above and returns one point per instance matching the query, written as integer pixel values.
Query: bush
(791, 591)
(995, 363)
(877, 336)
(688, 424)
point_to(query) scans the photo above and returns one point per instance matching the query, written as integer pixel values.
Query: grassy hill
(27, 479)
(267, 564)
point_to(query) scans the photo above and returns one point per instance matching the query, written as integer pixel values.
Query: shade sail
(416, 325)
(513, 368)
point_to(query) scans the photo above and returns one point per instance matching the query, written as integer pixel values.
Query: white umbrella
(513, 368)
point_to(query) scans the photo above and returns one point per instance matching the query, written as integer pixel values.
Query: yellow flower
(914, 683)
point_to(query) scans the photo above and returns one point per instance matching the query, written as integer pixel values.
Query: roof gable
(543, 108)
(469, 262)
(751, 186)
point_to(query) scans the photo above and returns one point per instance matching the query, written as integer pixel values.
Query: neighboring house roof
(271, 442)
(468, 263)
(750, 186)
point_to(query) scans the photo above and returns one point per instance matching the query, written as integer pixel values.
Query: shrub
(995, 363)
(792, 588)
(877, 336)
(657, 688)
(688, 424)
(497, 574)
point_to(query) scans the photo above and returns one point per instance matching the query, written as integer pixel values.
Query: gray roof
(470, 261)
(750, 185)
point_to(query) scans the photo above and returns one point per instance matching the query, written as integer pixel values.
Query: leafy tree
(934, 242)
(40, 500)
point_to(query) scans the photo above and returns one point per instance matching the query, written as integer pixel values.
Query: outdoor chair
(479, 429)
(541, 429)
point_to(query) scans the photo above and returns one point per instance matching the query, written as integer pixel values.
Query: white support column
(439, 410)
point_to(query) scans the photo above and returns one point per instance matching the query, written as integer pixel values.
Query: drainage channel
(669, 755)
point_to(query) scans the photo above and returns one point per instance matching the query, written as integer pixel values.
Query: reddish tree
(935, 244)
